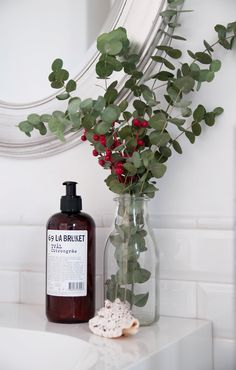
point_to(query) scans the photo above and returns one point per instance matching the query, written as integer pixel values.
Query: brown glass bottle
(70, 262)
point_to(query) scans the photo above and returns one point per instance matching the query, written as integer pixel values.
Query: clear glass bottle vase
(131, 260)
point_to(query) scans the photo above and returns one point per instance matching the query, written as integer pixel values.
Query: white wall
(192, 213)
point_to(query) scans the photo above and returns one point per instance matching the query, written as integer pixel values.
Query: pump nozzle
(71, 202)
(70, 187)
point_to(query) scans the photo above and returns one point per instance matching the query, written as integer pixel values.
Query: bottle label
(67, 263)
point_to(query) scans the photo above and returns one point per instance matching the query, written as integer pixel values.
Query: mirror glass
(35, 33)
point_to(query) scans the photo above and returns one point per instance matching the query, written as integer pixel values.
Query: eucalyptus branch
(123, 137)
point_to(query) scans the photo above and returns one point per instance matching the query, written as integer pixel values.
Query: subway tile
(172, 221)
(224, 354)
(178, 298)
(223, 223)
(199, 255)
(215, 302)
(9, 286)
(22, 247)
(32, 287)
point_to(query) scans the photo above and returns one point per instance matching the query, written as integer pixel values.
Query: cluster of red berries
(116, 166)
(138, 123)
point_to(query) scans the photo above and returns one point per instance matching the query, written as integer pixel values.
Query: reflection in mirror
(35, 33)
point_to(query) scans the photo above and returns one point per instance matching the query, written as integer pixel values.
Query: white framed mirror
(35, 33)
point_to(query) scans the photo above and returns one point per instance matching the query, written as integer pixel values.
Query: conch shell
(114, 320)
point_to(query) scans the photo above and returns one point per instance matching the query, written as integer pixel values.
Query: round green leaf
(33, 118)
(74, 105)
(70, 86)
(63, 96)
(185, 84)
(157, 169)
(26, 127)
(203, 58)
(159, 139)
(196, 128)
(102, 128)
(215, 65)
(110, 114)
(57, 64)
(140, 300)
(199, 113)
(210, 119)
(57, 84)
(158, 122)
(218, 110)
(103, 70)
(86, 104)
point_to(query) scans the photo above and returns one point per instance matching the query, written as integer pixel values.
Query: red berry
(101, 162)
(95, 153)
(119, 170)
(102, 138)
(140, 142)
(119, 164)
(136, 122)
(144, 124)
(108, 152)
(83, 138)
(96, 137)
(107, 157)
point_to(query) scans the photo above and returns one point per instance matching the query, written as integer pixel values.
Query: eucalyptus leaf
(215, 65)
(140, 300)
(141, 275)
(110, 114)
(157, 169)
(70, 86)
(158, 122)
(203, 58)
(57, 65)
(210, 119)
(74, 105)
(26, 127)
(159, 139)
(177, 147)
(33, 118)
(185, 84)
(218, 110)
(196, 128)
(199, 113)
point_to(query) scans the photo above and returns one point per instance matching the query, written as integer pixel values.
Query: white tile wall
(178, 298)
(197, 255)
(9, 286)
(216, 303)
(22, 247)
(32, 287)
(224, 354)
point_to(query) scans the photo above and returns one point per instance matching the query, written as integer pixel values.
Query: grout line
(198, 281)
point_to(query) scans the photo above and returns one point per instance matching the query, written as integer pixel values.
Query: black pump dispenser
(71, 202)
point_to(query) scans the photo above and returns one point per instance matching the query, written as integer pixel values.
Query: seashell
(114, 320)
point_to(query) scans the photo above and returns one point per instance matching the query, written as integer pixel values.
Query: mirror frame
(142, 21)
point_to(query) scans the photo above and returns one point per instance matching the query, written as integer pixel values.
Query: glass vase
(131, 260)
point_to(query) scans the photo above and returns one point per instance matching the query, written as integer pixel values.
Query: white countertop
(120, 353)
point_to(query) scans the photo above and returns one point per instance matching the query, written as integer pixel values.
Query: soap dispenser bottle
(70, 262)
